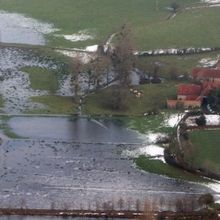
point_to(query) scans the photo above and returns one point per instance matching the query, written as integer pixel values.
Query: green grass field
(151, 29)
(55, 105)
(158, 167)
(42, 79)
(154, 96)
(207, 145)
(182, 64)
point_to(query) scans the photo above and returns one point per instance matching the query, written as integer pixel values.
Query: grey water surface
(78, 164)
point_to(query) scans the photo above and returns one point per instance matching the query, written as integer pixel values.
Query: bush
(206, 200)
(201, 121)
(117, 99)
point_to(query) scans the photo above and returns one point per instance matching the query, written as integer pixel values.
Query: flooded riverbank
(65, 174)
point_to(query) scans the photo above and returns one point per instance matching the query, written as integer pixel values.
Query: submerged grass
(6, 128)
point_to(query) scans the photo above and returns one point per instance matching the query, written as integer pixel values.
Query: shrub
(206, 200)
(201, 121)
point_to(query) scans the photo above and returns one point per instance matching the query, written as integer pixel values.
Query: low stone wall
(176, 51)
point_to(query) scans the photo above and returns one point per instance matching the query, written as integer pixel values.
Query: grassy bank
(55, 105)
(158, 167)
(207, 144)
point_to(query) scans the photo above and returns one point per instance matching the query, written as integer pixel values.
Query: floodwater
(16, 28)
(43, 172)
(15, 86)
(77, 129)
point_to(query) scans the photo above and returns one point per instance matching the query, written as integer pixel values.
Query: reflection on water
(77, 129)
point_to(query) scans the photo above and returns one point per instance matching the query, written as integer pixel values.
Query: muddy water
(16, 28)
(43, 172)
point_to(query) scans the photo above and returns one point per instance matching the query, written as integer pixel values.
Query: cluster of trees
(212, 100)
(120, 62)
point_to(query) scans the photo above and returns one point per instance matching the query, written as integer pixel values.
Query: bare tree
(77, 68)
(121, 204)
(99, 69)
(138, 205)
(175, 6)
(122, 57)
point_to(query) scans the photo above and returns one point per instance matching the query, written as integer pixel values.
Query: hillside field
(147, 18)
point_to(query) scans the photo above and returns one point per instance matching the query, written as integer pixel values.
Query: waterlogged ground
(55, 171)
(16, 28)
(15, 87)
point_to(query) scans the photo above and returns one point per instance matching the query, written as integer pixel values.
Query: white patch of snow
(152, 138)
(80, 36)
(153, 151)
(208, 62)
(92, 48)
(215, 186)
(211, 1)
(173, 120)
(83, 56)
(212, 119)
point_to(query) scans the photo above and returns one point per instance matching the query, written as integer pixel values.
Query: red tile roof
(202, 73)
(192, 90)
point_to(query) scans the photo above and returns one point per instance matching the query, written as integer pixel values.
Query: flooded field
(16, 28)
(44, 172)
(82, 129)
(15, 87)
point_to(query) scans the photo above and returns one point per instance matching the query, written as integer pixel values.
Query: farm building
(188, 91)
(188, 95)
(207, 75)
(191, 95)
